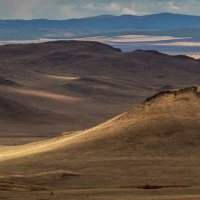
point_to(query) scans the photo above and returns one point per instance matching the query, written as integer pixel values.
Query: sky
(66, 9)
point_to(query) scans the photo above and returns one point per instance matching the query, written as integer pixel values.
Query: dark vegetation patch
(154, 187)
(66, 175)
(193, 89)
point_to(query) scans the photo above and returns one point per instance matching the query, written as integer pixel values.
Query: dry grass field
(63, 134)
(150, 152)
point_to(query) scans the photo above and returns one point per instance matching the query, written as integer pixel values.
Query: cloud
(129, 11)
(67, 9)
(89, 6)
(115, 7)
(172, 6)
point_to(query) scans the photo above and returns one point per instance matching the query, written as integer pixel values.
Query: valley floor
(115, 179)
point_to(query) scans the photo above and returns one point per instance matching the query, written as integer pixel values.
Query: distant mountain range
(155, 24)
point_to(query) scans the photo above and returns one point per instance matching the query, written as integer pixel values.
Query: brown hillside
(90, 80)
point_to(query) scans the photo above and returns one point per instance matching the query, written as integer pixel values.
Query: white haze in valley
(165, 44)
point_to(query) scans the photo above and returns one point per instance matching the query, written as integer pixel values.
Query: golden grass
(155, 144)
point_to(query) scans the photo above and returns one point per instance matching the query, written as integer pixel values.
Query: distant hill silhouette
(104, 24)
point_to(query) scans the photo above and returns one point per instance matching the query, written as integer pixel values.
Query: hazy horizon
(68, 9)
(105, 14)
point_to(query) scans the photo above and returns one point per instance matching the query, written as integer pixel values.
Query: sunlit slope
(166, 124)
(149, 152)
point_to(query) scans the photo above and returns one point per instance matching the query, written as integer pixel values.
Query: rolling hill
(151, 151)
(62, 86)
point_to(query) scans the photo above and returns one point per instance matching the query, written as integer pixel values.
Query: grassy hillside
(151, 151)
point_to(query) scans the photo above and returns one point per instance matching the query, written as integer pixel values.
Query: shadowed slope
(83, 84)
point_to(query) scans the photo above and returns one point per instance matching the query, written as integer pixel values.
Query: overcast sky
(65, 9)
